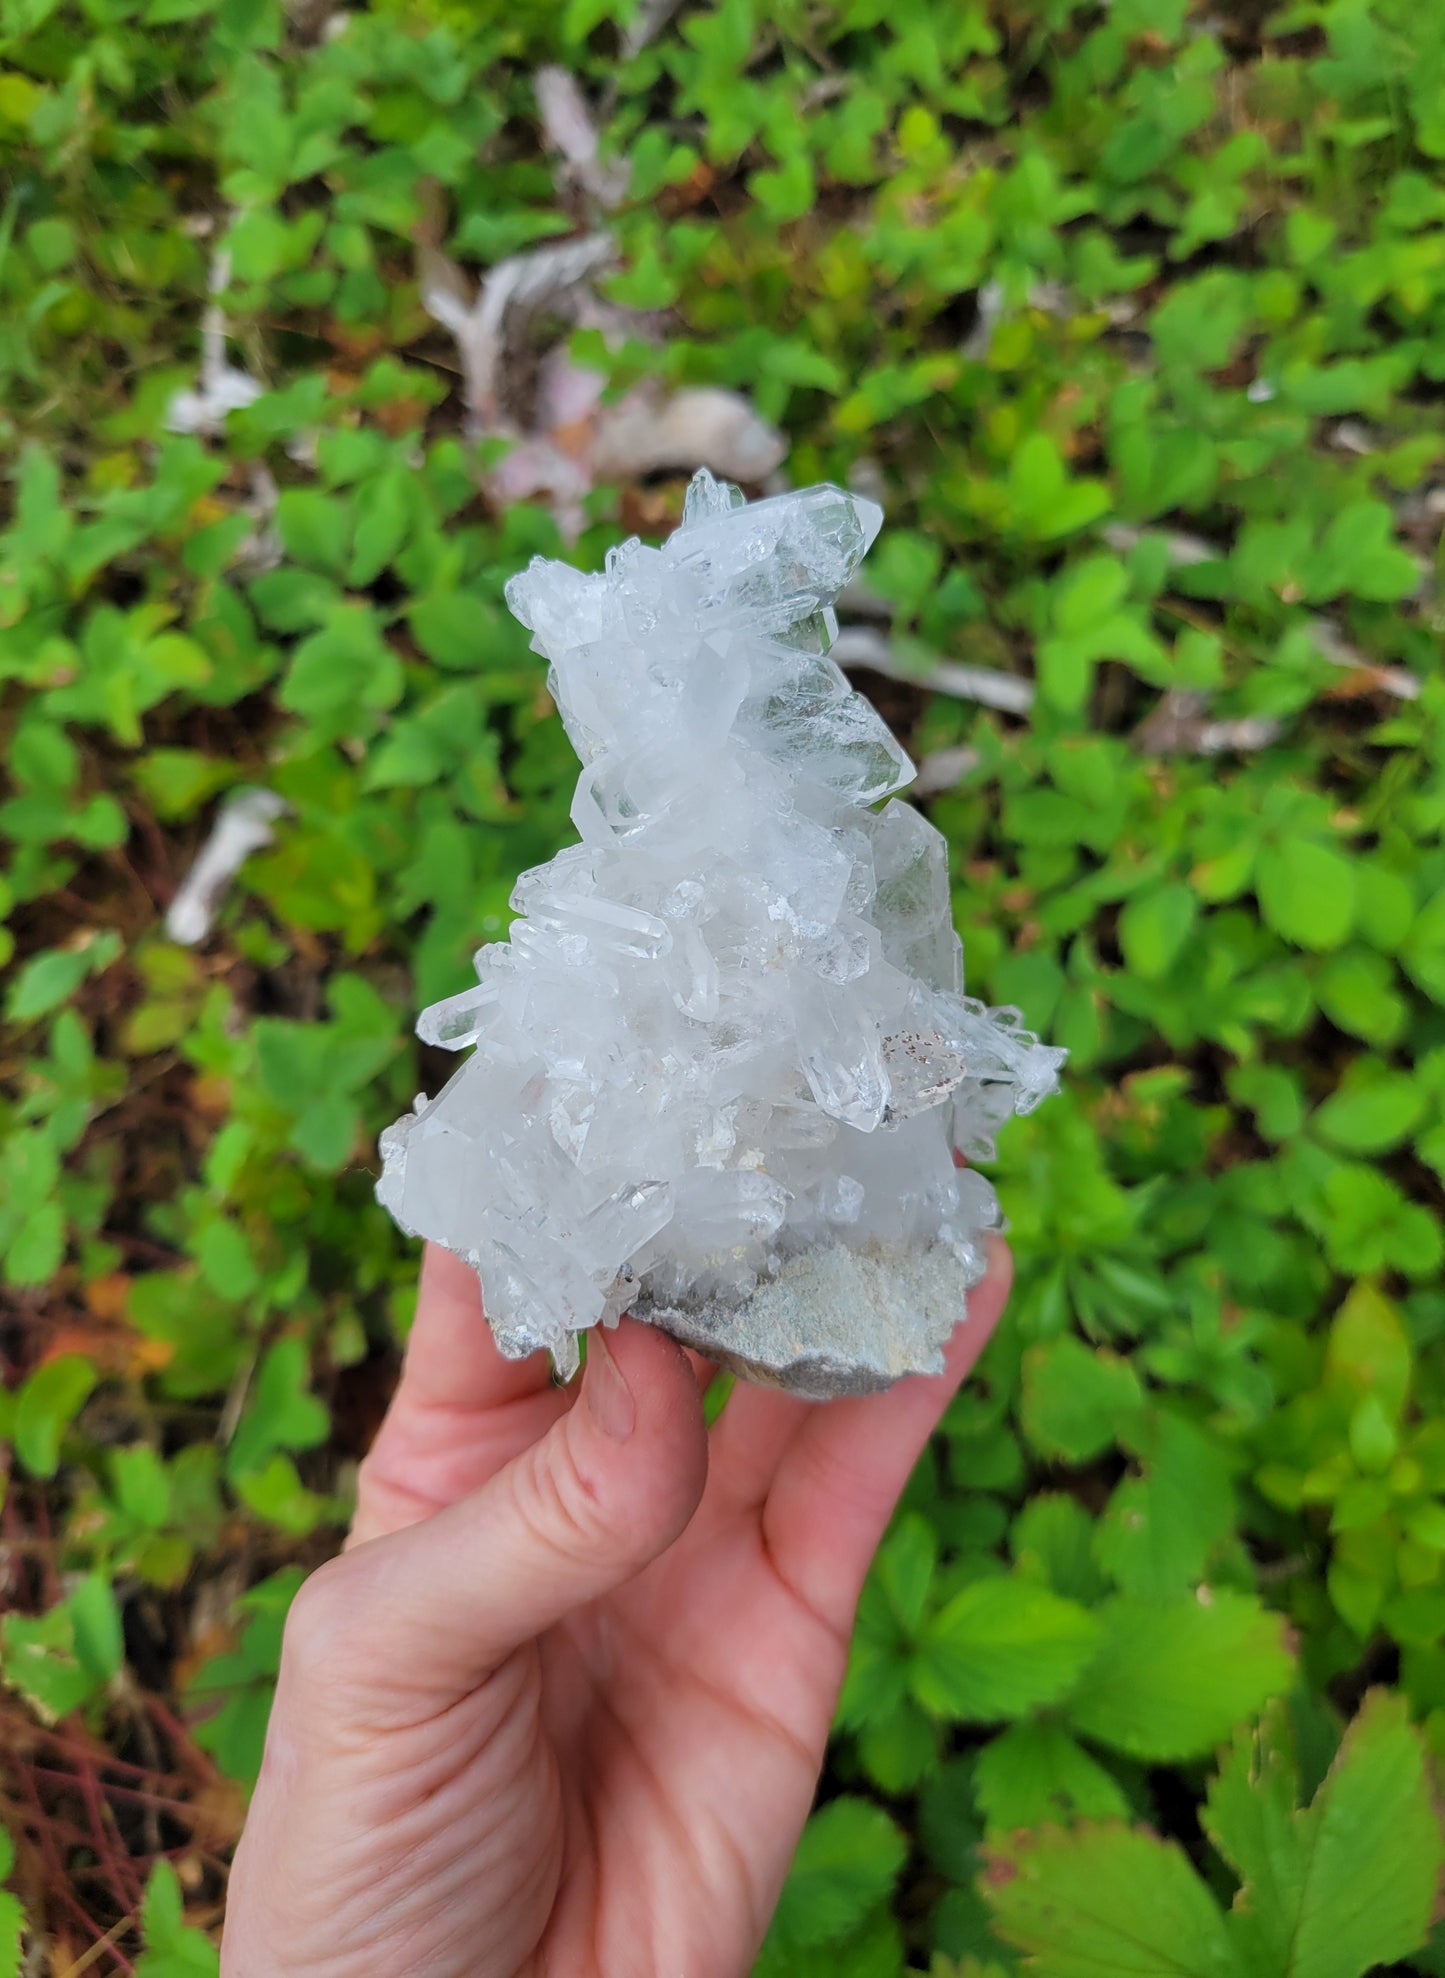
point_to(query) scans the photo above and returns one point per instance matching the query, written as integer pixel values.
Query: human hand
(561, 1708)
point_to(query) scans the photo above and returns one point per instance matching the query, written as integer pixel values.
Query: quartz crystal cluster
(716, 1073)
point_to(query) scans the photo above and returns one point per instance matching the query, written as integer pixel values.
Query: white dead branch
(701, 426)
(568, 128)
(1179, 724)
(489, 327)
(648, 22)
(860, 645)
(943, 769)
(243, 825)
(223, 388)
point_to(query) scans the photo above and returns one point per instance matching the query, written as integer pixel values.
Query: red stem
(113, 1791)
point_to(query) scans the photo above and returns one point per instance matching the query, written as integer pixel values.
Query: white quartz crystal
(718, 1069)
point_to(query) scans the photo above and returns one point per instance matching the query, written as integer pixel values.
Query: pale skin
(560, 1708)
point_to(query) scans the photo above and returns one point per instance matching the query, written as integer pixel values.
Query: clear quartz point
(717, 1069)
(457, 1022)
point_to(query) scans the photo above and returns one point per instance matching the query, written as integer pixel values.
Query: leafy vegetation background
(1135, 314)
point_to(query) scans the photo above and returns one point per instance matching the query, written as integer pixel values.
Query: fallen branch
(567, 440)
(242, 826)
(1179, 725)
(223, 388)
(1184, 549)
(568, 128)
(699, 426)
(1331, 644)
(943, 769)
(860, 645)
(651, 18)
(488, 326)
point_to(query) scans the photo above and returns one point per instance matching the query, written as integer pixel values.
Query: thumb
(428, 1612)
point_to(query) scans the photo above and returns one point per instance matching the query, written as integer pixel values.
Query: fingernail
(605, 1391)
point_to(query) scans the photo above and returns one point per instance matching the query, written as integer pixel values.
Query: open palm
(562, 1706)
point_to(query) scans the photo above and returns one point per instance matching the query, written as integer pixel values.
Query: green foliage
(1331, 1890)
(1136, 314)
(44, 1408)
(232, 1692)
(63, 1659)
(12, 1916)
(1109, 1900)
(847, 1862)
(173, 1949)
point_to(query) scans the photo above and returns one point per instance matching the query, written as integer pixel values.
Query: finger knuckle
(319, 1626)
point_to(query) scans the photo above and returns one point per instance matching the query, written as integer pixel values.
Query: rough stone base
(832, 1322)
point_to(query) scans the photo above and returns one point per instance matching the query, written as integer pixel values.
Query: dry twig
(943, 770)
(860, 645)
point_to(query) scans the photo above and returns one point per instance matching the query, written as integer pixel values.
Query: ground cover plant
(1134, 318)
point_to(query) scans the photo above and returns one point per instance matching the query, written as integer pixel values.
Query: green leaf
(1161, 1527)
(226, 1261)
(999, 1648)
(1371, 1110)
(95, 1620)
(50, 979)
(344, 667)
(1386, 906)
(1076, 1399)
(281, 1413)
(173, 1949)
(326, 1130)
(142, 1487)
(1032, 1774)
(1359, 554)
(12, 1916)
(1089, 594)
(178, 781)
(315, 528)
(904, 1569)
(1046, 503)
(1052, 1540)
(1272, 1094)
(1372, 1438)
(1369, 1225)
(35, 1252)
(46, 1405)
(874, 1949)
(1171, 1680)
(580, 17)
(291, 600)
(847, 1861)
(1106, 1902)
(276, 1493)
(647, 284)
(898, 1751)
(1154, 927)
(1306, 891)
(234, 1690)
(383, 521)
(1369, 1350)
(61, 1659)
(1356, 989)
(451, 627)
(1348, 1884)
